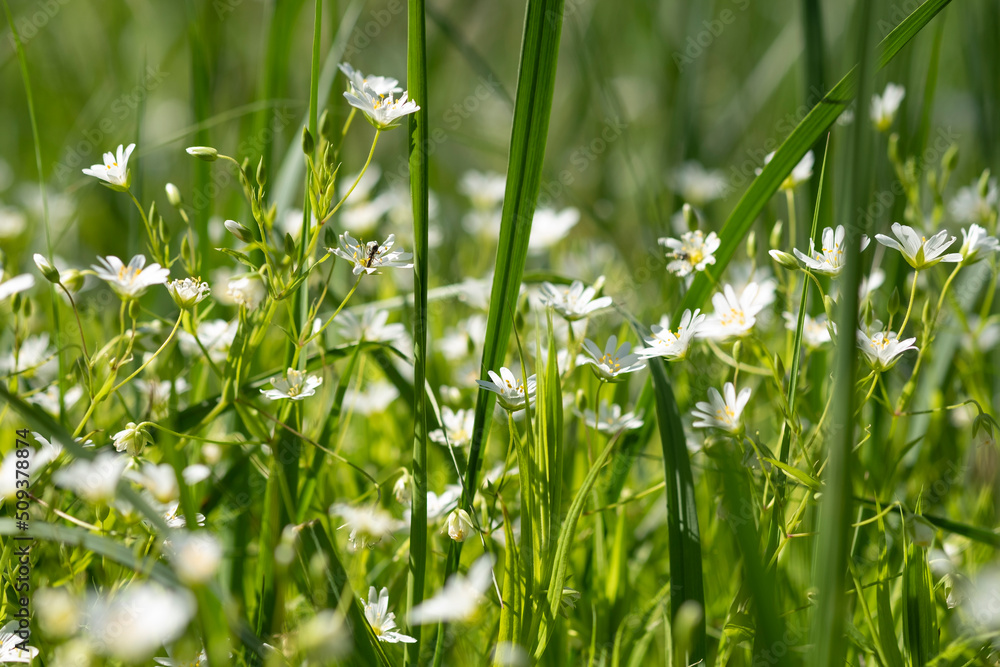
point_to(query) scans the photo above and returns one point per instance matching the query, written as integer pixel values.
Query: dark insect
(372, 252)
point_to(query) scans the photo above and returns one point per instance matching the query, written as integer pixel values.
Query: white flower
(378, 396)
(137, 621)
(459, 525)
(457, 425)
(723, 414)
(692, 252)
(33, 355)
(919, 251)
(402, 490)
(549, 226)
(57, 612)
(830, 260)
(736, 316)
(382, 620)
(200, 660)
(196, 556)
(9, 645)
(574, 302)
(512, 394)
(131, 281)
(484, 190)
(368, 524)
(871, 283)
(155, 394)
(36, 461)
(324, 637)
(815, 331)
(800, 174)
(48, 399)
(459, 599)
(976, 240)
(370, 257)
(885, 106)
(697, 185)
(114, 171)
(883, 349)
(12, 286)
(188, 293)
(611, 420)
(214, 335)
(380, 107)
(382, 85)
(247, 290)
(95, 481)
(159, 480)
(132, 439)
(371, 326)
(437, 505)
(670, 344)
(971, 205)
(614, 362)
(174, 519)
(12, 222)
(296, 385)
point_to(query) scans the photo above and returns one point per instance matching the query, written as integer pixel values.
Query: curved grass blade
(805, 134)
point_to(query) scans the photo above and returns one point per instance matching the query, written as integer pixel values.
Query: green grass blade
(920, 632)
(682, 513)
(416, 80)
(805, 134)
(886, 625)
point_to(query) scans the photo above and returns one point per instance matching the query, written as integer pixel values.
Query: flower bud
(189, 292)
(737, 348)
(894, 302)
(775, 239)
(950, 159)
(752, 244)
(261, 173)
(983, 186)
(45, 266)
(239, 231)
(72, 280)
(690, 217)
(401, 489)
(308, 143)
(134, 309)
(581, 400)
(459, 525)
(784, 259)
(173, 195)
(206, 153)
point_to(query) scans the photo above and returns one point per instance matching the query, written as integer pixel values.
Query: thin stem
(356, 180)
(332, 317)
(909, 307)
(151, 358)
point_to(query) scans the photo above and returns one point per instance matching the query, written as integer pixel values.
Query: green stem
(909, 306)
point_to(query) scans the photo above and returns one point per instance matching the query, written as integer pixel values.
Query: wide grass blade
(416, 80)
(920, 633)
(802, 138)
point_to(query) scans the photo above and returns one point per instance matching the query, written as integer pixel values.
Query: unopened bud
(984, 184)
(401, 489)
(239, 231)
(72, 280)
(894, 302)
(581, 400)
(690, 217)
(752, 244)
(173, 195)
(784, 259)
(206, 153)
(261, 173)
(950, 159)
(134, 309)
(45, 266)
(308, 143)
(775, 238)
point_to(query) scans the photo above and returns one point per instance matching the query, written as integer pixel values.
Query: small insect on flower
(512, 395)
(694, 251)
(114, 172)
(132, 281)
(296, 385)
(615, 362)
(369, 257)
(722, 413)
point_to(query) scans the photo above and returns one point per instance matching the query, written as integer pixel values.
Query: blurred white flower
(155, 394)
(870, 283)
(458, 427)
(159, 480)
(195, 556)
(484, 189)
(381, 85)
(132, 439)
(9, 642)
(13, 222)
(574, 302)
(736, 316)
(48, 399)
(57, 612)
(884, 106)
(512, 394)
(697, 185)
(673, 345)
(371, 326)
(459, 598)
(216, 336)
(33, 358)
(459, 525)
(36, 460)
(15, 285)
(95, 481)
(134, 623)
(200, 660)
(131, 281)
(614, 362)
(611, 419)
(883, 349)
(370, 257)
(375, 398)
(692, 252)
(976, 244)
(114, 171)
(246, 290)
(801, 173)
(722, 413)
(829, 260)
(324, 637)
(463, 340)
(549, 226)
(368, 524)
(382, 620)
(815, 330)
(296, 385)
(919, 251)
(971, 204)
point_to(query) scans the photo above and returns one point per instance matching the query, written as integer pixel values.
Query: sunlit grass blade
(416, 80)
(920, 631)
(805, 134)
